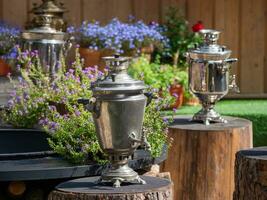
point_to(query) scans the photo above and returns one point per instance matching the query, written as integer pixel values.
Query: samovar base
(208, 115)
(119, 174)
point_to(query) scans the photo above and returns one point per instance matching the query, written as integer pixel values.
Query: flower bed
(132, 38)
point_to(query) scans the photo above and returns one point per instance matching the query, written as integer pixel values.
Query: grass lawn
(254, 110)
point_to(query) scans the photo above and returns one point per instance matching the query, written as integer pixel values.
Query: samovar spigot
(233, 87)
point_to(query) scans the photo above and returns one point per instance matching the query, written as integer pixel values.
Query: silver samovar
(51, 44)
(118, 107)
(209, 66)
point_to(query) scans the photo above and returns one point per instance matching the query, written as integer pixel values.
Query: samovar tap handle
(231, 60)
(150, 96)
(90, 105)
(233, 85)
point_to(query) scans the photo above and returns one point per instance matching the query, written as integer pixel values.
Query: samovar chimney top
(210, 36)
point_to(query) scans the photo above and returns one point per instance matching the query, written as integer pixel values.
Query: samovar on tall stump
(118, 110)
(209, 66)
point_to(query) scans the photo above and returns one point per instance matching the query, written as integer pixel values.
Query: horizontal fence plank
(14, 12)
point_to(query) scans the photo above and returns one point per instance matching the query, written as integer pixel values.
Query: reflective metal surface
(51, 44)
(49, 7)
(118, 108)
(209, 67)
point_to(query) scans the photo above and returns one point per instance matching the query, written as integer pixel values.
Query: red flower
(198, 26)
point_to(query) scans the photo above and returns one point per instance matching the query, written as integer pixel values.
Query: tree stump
(251, 174)
(201, 158)
(87, 189)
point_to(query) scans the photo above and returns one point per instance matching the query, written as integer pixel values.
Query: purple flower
(71, 71)
(18, 99)
(77, 113)
(10, 103)
(26, 96)
(53, 125)
(165, 120)
(20, 79)
(175, 95)
(52, 108)
(13, 93)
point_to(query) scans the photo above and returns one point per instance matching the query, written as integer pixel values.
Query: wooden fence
(243, 24)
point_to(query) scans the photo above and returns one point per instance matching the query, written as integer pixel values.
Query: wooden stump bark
(251, 174)
(201, 159)
(87, 189)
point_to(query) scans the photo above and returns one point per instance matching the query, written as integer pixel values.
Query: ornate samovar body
(118, 109)
(209, 66)
(50, 43)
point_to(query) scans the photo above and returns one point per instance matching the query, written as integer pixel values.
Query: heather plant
(38, 99)
(155, 127)
(73, 134)
(123, 38)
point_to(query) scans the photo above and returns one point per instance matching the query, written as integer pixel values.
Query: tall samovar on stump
(209, 66)
(51, 44)
(118, 107)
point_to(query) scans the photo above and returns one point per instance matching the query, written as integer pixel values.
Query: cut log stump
(87, 189)
(251, 174)
(201, 158)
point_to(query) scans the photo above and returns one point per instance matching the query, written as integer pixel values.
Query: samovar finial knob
(210, 36)
(117, 63)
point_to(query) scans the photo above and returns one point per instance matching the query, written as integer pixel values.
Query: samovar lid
(209, 49)
(118, 80)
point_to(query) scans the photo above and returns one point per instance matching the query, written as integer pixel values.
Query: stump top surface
(88, 186)
(258, 153)
(184, 122)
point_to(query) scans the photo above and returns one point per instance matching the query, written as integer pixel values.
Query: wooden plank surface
(147, 10)
(74, 13)
(95, 10)
(252, 46)
(226, 20)
(15, 12)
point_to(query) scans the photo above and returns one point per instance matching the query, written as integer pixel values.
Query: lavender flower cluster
(8, 35)
(118, 36)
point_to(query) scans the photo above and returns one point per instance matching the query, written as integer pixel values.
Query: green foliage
(159, 76)
(181, 38)
(73, 135)
(155, 127)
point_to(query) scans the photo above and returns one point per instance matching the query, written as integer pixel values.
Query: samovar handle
(150, 96)
(68, 44)
(90, 105)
